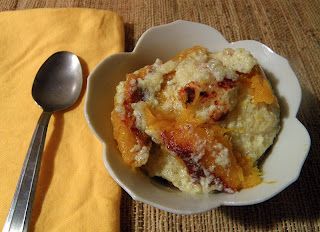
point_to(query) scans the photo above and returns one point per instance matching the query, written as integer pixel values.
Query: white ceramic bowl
(282, 166)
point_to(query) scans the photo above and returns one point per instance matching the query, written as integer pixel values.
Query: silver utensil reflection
(57, 86)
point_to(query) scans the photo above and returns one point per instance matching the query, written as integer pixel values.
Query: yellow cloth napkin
(75, 191)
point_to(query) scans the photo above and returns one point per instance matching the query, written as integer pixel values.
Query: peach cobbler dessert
(201, 120)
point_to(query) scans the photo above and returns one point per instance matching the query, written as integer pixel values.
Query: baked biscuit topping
(200, 120)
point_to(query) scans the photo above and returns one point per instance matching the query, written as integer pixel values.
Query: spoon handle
(21, 206)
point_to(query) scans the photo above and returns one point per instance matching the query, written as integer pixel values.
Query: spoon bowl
(57, 86)
(58, 82)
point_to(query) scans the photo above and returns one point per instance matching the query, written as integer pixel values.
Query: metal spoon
(57, 86)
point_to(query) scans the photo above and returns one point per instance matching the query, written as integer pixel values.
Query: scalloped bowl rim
(138, 186)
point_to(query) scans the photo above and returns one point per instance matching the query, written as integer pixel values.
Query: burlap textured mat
(292, 29)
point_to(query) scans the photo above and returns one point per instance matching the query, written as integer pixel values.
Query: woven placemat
(292, 29)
